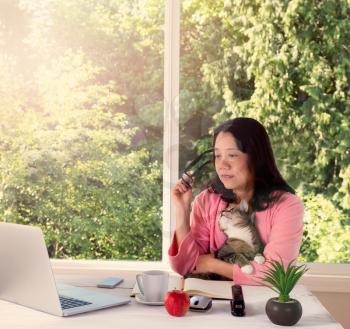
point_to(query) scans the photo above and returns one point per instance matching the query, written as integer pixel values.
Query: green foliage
(326, 232)
(281, 280)
(68, 161)
(198, 99)
(78, 178)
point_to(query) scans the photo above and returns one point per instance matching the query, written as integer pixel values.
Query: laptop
(26, 276)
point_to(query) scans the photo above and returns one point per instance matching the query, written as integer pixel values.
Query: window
(81, 115)
(108, 66)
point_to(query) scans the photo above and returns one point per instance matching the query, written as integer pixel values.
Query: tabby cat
(243, 243)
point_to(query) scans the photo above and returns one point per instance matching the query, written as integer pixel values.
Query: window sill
(323, 277)
(320, 277)
(68, 265)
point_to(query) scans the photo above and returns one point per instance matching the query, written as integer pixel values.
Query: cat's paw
(248, 269)
(260, 259)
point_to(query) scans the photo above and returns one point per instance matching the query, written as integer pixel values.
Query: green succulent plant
(281, 280)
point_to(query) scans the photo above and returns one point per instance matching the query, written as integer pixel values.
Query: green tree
(123, 37)
(326, 232)
(67, 161)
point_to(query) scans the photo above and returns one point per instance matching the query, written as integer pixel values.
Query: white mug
(153, 285)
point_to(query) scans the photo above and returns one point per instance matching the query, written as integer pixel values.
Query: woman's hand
(182, 197)
(209, 264)
(205, 264)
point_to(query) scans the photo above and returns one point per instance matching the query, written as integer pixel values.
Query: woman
(246, 170)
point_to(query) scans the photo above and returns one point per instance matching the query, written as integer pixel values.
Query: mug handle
(139, 283)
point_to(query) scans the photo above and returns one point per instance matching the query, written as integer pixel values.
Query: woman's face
(231, 164)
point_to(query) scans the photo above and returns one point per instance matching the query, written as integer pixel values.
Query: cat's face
(235, 215)
(238, 214)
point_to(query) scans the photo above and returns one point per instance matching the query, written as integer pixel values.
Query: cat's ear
(243, 206)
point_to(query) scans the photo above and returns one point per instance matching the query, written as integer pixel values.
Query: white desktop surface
(135, 315)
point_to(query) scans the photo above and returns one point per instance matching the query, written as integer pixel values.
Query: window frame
(321, 276)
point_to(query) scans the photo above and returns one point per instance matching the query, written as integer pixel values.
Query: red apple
(177, 302)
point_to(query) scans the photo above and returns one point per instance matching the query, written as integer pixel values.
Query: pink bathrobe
(280, 228)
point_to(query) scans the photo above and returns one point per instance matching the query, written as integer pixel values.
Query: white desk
(140, 316)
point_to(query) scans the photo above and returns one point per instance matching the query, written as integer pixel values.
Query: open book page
(193, 286)
(175, 282)
(210, 288)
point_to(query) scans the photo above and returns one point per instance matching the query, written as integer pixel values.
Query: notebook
(26, 276)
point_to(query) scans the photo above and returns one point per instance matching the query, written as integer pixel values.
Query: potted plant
(283, 310)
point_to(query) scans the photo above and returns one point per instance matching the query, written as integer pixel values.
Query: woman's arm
(185, 248)
(209, 264)
(182, 227)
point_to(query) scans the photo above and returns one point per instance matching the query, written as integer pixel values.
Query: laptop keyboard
(69, 302)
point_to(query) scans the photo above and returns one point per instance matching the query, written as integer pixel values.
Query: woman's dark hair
(252, 139)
